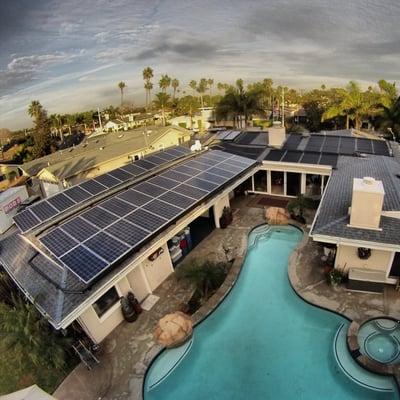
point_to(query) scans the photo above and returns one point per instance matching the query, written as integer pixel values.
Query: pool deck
(129, 349)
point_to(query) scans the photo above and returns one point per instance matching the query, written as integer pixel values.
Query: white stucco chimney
(277, 136)
(366, 203)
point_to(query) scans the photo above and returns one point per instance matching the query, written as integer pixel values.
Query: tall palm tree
(161, 102)
(201, 88)
(164, 83)
(193, 86)
(147, 76)
(175, 85)
(210, 83)
(239, 104)
(355, 105)
(35, 109)
(122, 86)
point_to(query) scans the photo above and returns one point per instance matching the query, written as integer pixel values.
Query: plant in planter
(335, 277)
(296, 208)
(226, 217)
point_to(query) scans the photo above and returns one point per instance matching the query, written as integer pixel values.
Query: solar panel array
(302, 157)
(228, 135)
(89, 243)
(46, 209)
(342, 145)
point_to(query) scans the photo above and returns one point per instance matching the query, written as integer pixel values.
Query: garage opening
(202, 226)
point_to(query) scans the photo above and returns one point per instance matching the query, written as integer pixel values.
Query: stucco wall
(158, 270)
(218, 208)
(347, 257)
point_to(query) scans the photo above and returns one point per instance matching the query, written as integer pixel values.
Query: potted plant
(335, 278)
(226, 217)
(364, 253)
(128, 311)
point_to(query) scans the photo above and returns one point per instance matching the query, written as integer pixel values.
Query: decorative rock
(277, 216)
(173, 329)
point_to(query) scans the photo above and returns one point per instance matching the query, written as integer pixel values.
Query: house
(200, 121)
(76, 253)
(98, 154)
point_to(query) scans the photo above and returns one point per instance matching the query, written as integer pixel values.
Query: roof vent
(102, 148)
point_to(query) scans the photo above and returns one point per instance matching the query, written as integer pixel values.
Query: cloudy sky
(70, 54)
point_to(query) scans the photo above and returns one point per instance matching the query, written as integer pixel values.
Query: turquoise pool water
(263, 341)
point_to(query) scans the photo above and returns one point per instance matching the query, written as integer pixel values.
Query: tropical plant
(193, 86)
(210, 83)
(207, 276)
(175, 85)
(201, 89)
(122, 86)
(41, 130)
(164, 83)
(239, 104)
(356, 105)
(161, 102)
(148, 86)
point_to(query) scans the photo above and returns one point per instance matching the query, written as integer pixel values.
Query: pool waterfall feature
(262, 341)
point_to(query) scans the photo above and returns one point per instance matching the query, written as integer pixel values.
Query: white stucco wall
(218, 208)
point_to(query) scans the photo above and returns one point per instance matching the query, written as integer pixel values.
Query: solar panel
(165, 210)
(121, 174)
(201, 184)
(177, 199)
(84, 263)
(190, 191)
(315, 143)
(175, 175)
(329, 159)
(79, 229)
(117, 206)
(107, 180)
(61, 202)
(145, 164)
(146, 220)
(310, 158)
(43, 210)
(222, 134)
(364, 146)
(77, 194)
(155, 159)
(274, 155)
(58, 242)
(165, 156)
(201, 166)
(292, 142)
(99, 217)
(235, 163)
(106, 247)
(232, 135)
(148, 188)
(212, 178)
(221, 172)
(177, 151)
(230, 167)
(26, 220)
(380, 148)
(292, 156)
(134, 197)
(163, 182)
(184, 169)
(93, 187)
(127, 232)
(133, 169)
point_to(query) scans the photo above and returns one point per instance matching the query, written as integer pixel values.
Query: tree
(239, 104)
(164, 83)
(187, 105)
(355, 105)
(193, 85)
(41, 130)
(210, 83)
(122, 86)
(147, 76)
(201, 89)
(175, 85)
(161, 103)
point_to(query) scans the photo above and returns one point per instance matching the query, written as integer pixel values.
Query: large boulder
(173, 329)
(277, 216)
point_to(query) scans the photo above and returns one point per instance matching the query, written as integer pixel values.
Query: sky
(71, 54)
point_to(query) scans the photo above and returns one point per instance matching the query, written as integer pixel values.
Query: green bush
(335, 277)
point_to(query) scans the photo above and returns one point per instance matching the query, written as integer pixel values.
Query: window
(293, 183)
(277, 182)
(105, 302)
(313, 185)
(260, 181)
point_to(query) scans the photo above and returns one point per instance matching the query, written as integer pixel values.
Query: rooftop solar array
(343, 145)
(46, 209)
(89, 243)
(302, 157)
(228, 135)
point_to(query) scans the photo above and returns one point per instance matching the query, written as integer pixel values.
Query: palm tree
(174, 84)
(164, 83)
(193, 86)
(35, 109)
(201, 88)
(122, 86)
(210, 83)
(355, 105)
(147, 75)
(161, 102)
(239, 104)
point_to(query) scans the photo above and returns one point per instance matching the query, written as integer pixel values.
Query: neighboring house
(129, 121)
(98, 154)
(201, 121)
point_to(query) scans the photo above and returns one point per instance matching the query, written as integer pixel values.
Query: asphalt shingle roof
(333, 217)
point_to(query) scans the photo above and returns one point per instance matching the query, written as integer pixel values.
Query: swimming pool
(262, 342)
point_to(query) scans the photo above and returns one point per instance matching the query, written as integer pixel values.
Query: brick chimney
(366, 203)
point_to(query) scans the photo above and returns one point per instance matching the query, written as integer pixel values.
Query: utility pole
(98, 114)
(283, 106)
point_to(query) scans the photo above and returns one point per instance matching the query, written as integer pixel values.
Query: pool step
(261, 232)
(354, 371)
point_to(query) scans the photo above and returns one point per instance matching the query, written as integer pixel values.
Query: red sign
(12, 205)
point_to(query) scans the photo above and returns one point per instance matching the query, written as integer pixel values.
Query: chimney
(276, 136)
(366, 203)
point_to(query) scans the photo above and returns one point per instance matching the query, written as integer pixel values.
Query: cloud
(25, 69)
